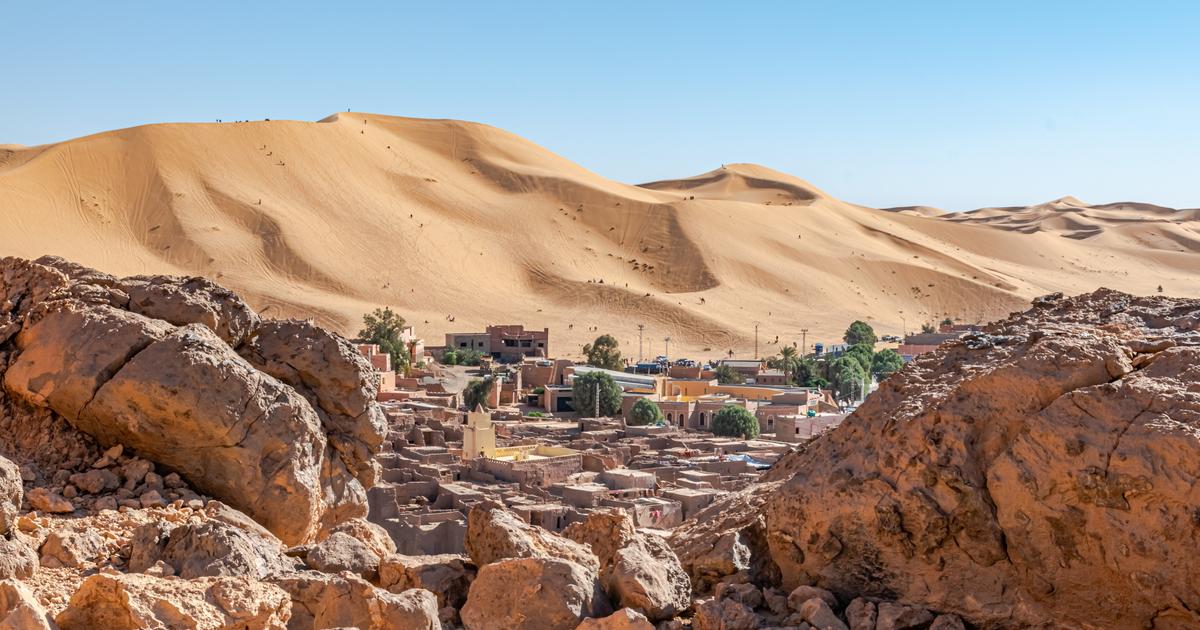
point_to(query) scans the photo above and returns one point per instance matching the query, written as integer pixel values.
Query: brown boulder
(208, 549)
(342, 552)
(533, 594)
(1041, 471)
(73, 549)
(17, 559)
(133, 601)
(725, 614)
(494, 534)
(446, 576)
(624, 619)
(11, 493)
(46, 500)
(321, 600)
(19, 609)
(182, 301)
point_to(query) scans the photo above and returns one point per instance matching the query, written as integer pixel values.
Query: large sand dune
(444, 219)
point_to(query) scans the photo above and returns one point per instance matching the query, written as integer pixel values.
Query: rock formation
(1040, 472)
(277, 419)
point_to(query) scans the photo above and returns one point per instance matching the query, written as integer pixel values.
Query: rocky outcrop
(727, 538)
(209, 549)
(1042, 471)
(17, 559)
(342, 552)
(321, 600)
(11, 494)
(494, 534)
(19, 609)
(533, 594)
(638, 571)
(446, 576)
(624, 619)
(277, 419)
(133, 601)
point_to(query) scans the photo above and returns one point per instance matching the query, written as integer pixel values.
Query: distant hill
(460, 224)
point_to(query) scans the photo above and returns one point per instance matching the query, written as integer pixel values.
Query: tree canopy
(383, 328)
(734, 421)
(860, 332)
(643, 413)
(862, 353)
(729, 376)
(476, 393)
(603, 353)
(885, 363)
(848, 378)
(583, 391)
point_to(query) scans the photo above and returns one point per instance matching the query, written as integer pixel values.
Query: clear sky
(958, 104)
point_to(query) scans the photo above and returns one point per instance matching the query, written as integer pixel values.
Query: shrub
(729, 376)
(644, 412)
(735, 421)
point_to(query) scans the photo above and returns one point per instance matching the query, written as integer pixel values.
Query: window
(510, 343)
(701, 418)
(480, 344)
(670, 418)
(462, 344)
(541, 344)
(770, 422)
(525, 343)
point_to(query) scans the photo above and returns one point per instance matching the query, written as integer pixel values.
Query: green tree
(729, 376)
(862, 353)
(885, 363)
(787, 361)
(848, 379)
(383, 327)
(860, 332)
(584, 389)
(807, 373)
(734, 421)
(603, 353)
(644, 412)
(928, 329)
(476, 393)
(947, 322)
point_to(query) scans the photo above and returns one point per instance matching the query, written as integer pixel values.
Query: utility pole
(597, 400)
(641, 327)
(755, 341)
(803, 342)
(667, 350)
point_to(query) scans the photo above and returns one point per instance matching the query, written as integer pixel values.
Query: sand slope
(445, 219)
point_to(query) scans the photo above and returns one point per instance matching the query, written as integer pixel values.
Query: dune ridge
(459, 224)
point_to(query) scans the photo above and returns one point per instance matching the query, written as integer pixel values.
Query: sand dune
(445, 219)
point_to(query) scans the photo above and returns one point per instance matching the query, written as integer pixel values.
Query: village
(495, 417)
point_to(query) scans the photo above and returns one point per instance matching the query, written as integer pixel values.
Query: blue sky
(958, 105)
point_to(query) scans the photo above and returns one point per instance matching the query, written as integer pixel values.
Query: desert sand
(458, 225)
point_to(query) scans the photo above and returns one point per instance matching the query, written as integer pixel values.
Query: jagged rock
(533, 593)
(338, 381)
(727, 538)
(803, 593)
(150, 363)
(19, 609)
(637, 571)
(446, 576)
(182, 301)
(861, 614)
(741, 592)
(72, 549)
(373, 536)
(207, 549)
(342, 552)
(321, 600)
(134, 601)
(893, 616)
(725, 614)
(1038, 472)
(816, 612)
(11, 493)
(17, 559)
(624, 619)
(96, 481)
(494, 534)
(44, 500)
(947, 622)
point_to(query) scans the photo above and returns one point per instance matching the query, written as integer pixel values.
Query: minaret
(479, 436)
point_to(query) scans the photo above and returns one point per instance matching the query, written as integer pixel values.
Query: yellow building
(479, 436)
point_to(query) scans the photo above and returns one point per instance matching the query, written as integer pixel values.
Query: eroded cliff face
(277, 419)
(1044, 471)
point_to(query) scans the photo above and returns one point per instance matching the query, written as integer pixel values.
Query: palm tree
(787, 356)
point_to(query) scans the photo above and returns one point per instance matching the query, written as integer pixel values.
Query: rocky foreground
(170, 459)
